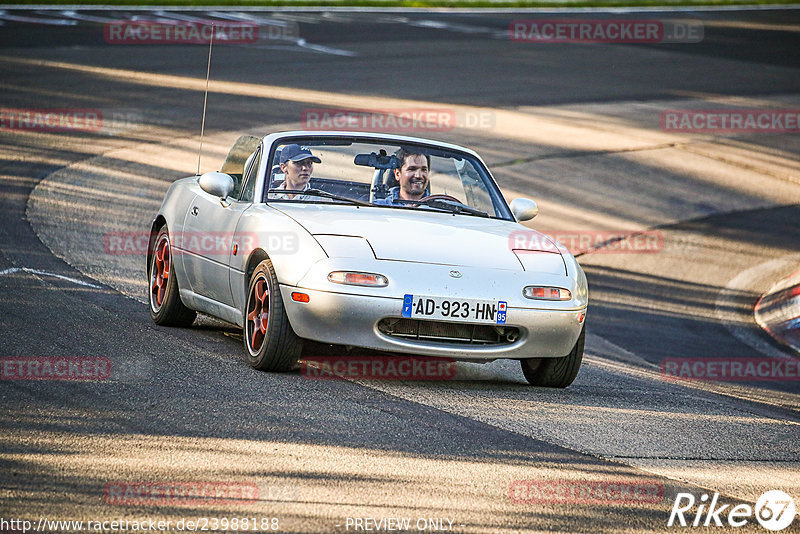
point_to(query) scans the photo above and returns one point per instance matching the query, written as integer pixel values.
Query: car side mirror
(524, 209)
(218, 184)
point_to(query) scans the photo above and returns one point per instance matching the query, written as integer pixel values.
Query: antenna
(205, 100)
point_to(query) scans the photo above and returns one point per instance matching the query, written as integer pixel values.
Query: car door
(244, 241)
(209, 236)
(206, 242)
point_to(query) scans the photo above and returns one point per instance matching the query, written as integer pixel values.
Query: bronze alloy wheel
(271, 343)
(257, 314)
(159, 272)
(166, 307)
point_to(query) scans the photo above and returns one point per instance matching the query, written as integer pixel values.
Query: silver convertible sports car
(384, 242)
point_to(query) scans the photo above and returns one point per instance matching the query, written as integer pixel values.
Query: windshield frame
(276, 139)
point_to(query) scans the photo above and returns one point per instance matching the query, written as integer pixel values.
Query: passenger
(412, 177)
(297, 164)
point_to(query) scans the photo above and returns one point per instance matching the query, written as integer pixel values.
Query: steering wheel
(439, 197)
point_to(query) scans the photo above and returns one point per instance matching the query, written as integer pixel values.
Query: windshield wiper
(319, 193)
(448, 206)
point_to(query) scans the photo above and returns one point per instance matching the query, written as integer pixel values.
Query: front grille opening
(444, 332)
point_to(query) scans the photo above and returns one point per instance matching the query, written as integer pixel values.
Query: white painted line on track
(86, 18)
(325, 49)
(302, 46)
(35, 20)
(439, 25)
(282, 24)
(159, 20)
(180, 17)
(459, 28)
(299, 18)
(248, 18)
(45, 273)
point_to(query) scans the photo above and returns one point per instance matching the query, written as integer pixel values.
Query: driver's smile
(413, 177)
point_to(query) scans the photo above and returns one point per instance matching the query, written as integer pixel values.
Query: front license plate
(457, 310)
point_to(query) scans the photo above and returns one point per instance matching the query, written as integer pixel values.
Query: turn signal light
(546, 293)
(352, 278)
(300, 297)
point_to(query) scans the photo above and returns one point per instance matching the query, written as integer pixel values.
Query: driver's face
(298, 173)
(413, 177)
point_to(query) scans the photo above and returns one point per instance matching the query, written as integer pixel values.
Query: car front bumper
(351, 319)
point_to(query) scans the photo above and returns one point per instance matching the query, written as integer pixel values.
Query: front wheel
(555, 372)
(269, 339)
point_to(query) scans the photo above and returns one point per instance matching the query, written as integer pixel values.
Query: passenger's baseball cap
(297, 153)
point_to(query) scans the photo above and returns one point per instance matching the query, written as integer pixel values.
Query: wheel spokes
(255, 340)
(161, 268)
(258, 314)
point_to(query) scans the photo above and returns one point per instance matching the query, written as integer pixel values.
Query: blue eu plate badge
(502, 309)
(408, 300)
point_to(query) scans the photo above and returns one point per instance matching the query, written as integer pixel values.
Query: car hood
(423, 237)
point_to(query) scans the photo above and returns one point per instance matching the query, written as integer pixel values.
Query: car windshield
(383, 173)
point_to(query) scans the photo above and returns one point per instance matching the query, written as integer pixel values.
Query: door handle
(195, 210)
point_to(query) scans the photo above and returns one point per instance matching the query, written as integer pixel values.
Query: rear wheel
(555, 372)
(269, 339)
(166, 307)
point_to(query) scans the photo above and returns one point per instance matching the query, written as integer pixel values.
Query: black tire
(555, 372)
(270, 342)
(166, 307)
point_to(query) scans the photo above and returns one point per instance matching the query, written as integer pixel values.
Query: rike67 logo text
(774, 510)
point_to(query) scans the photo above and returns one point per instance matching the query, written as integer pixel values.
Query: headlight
(353, 278)
(546, 293)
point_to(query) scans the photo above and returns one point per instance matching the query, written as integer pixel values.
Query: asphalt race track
(575, 126)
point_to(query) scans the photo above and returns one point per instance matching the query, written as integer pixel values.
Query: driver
(297, 163)
(412, 177)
